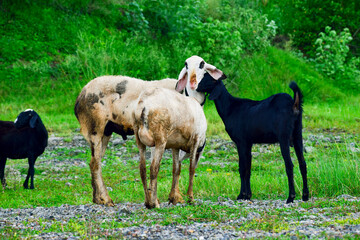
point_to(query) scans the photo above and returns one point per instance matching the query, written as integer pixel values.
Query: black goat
(25, 138)
(275, 119)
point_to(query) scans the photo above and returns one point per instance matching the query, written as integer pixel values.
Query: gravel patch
(314, 223)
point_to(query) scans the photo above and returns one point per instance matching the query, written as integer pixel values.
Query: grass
(332, 170)
(62, 177)
(45, 66)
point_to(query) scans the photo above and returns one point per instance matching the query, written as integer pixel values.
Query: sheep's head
(193, 72)
(27, 118)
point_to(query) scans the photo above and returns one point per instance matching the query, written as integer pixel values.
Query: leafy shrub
(304, 19)
(332, 57)
(255, 29)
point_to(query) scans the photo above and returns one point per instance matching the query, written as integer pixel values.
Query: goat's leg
(31, 171)
(2, 171)
(153, 201)
(100, 193)
(299, 150)
(244, 152)
(285, 151)
(142, 164)
(175, 195)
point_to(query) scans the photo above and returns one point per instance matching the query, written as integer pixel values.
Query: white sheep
(106, 105)
(165, 119)
(192, 73)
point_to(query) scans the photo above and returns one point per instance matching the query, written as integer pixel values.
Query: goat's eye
(186, 65)
(201, 64)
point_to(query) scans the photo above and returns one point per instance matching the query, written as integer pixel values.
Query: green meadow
(49, 50)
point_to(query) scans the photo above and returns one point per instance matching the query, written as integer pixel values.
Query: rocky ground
(314, 223)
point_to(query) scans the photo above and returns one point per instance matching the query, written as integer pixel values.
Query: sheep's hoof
(101, 201)
(149, 205)
(190, 200)
(3, 183)
(176, 199)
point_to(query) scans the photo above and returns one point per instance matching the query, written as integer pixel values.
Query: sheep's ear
(33, 121)
(215, 73)
(181, 84)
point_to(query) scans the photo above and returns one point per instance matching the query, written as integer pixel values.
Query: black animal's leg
(2, 171)
(285, 151)
(244, 153)
(299, 150)
(31, 171)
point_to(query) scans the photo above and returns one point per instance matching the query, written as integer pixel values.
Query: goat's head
(193, 72)
(27, 118)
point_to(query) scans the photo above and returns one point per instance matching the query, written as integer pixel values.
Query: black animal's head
(210, 85)
(27, 118)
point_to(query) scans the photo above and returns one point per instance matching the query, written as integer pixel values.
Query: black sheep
(25, 138)
(275, 119)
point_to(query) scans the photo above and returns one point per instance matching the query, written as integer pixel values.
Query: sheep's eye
(201, 64)
(186, 65)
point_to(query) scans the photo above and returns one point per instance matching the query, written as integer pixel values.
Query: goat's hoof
(243, 197)
(289, 200)
(305, 198)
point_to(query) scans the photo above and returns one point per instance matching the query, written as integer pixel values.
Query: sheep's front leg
(192, 166)
(2, 171)
(31, 172)
(142, 164)
(100, 193)
(152, 200)
(175, 195)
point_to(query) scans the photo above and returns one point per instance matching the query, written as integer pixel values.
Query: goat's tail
(298, 98)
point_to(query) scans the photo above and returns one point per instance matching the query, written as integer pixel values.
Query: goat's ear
(33, 121)
(215, 73)
(181, 84)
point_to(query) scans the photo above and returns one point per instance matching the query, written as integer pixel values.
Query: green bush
(304, 19)
(332, 58)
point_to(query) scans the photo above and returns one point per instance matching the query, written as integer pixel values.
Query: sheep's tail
(144, 133)
(298, 98)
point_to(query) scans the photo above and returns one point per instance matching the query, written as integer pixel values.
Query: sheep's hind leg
(31, 172)
(2, 171)
(152, 199)
(100, 193)
(142, 164)
(175, 195)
